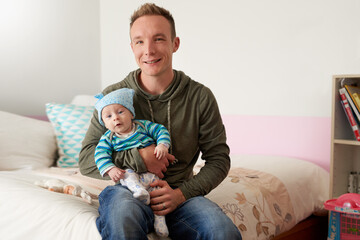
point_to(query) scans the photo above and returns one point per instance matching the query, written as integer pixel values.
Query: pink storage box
(344, 221)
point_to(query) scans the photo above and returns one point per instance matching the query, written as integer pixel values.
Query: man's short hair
(152, 9)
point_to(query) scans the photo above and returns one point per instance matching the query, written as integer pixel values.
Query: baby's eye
(108, 116)
(120, 112)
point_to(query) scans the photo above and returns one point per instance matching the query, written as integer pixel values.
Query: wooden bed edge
(312, 228)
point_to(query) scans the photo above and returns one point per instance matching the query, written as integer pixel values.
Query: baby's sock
(142, 195)
(133, 183)
(160, 226)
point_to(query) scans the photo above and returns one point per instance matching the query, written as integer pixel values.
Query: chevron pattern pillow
(70, 123)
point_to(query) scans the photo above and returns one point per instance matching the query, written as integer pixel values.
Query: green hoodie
(190, 112)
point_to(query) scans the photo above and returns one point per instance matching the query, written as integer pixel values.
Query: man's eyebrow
(135, 38)
(156, 35)
(160, 35)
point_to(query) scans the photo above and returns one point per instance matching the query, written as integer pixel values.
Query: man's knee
(208, 220)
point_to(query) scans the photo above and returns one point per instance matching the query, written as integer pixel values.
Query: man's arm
(212, 144)
(86, 157)
(154, 165)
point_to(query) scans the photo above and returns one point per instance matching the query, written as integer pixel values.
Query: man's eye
(158, 39)
(139, 42)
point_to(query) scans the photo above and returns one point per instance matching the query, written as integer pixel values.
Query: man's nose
(149, 48)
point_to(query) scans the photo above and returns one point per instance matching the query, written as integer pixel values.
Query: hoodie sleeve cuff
(186, 193)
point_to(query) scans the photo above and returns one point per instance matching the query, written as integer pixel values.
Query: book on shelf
(349, 113)
(354, 93)
(351, 103)
(356, 98)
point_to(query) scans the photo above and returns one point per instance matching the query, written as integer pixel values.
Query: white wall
(49, 52)
(259, 57)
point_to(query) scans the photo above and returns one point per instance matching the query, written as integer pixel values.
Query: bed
(267, 197)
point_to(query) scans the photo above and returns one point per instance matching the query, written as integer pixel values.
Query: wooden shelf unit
(345, 149)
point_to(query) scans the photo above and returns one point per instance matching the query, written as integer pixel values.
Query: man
(190, 112)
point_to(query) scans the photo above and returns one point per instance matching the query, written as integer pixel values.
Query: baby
(116, 113)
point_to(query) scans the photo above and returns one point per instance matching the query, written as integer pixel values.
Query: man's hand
(164, 200)
(154, 165)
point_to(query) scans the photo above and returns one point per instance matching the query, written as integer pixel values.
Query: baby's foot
(160, 226)
(142, 195)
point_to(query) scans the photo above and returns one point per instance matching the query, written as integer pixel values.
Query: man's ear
(176, 44)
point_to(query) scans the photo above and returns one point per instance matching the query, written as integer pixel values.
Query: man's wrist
(180, 195)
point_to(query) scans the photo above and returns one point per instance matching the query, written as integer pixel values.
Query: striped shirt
(145, 134)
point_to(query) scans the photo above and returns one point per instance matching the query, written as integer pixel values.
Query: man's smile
(152, 61)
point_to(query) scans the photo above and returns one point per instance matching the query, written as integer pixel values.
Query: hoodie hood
(178, 84)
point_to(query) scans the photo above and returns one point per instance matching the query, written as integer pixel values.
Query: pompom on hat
(123, 96)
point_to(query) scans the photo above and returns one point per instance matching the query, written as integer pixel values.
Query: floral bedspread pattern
(257, 202)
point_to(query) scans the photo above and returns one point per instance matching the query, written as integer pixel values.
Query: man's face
(153, 45)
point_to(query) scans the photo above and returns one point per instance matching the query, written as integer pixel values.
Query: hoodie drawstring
(151, 111)
(168, 118)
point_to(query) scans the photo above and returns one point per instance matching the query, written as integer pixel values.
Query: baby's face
(117, 118)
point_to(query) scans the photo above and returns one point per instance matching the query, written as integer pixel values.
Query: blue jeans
(124, 217)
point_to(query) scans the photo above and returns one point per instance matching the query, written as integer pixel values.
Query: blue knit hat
(123, 96)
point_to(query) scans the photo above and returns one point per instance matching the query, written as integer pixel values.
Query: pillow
(25, 143)
(70, 123)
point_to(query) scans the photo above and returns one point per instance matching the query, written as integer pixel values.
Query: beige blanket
(257, 202)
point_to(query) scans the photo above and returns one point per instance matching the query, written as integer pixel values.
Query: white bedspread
(30, 212)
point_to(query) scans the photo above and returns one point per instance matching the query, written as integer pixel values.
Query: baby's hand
(160, 151)
(116, 174)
